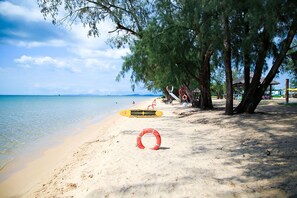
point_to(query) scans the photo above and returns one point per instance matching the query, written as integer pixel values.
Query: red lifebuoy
(181, 91)
(185, 97)
(156, 134)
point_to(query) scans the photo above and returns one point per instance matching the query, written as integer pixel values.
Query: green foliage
(293, 82)
(290, 64)
(169, 39)
(170, 47)
(218, 82)
(129, 17)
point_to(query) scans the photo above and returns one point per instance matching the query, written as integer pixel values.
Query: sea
(30, 122)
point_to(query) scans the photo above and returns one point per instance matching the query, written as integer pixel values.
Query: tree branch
(121, 27)
(282, 54)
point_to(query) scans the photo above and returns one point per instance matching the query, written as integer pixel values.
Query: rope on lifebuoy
(185, 97)
(155, 133)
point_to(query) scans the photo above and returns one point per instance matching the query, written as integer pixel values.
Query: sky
(39, 58)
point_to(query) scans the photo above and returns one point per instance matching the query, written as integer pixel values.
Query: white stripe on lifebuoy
(156, 134)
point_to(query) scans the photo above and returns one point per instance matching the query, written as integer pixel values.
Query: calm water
(25, 121)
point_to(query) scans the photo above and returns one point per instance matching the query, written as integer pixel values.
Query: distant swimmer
(116, 102)
(133, 102)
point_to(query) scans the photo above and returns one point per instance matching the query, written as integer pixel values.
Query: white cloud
(106, 54)
(117, 53)
(81, 64)
(93, 47)
(72, 64)
(33, 44)
(29, 62)
(8, 9)
(37, 61)
(75, 37)
(79, 35)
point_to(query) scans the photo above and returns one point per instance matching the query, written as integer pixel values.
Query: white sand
(203, 154)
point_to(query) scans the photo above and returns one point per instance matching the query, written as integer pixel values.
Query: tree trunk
(203, 80)
(254, 95)
(228, 69)
(204, 76)
(277, 63)
(248, 102)
(247, 73)
(247, 62)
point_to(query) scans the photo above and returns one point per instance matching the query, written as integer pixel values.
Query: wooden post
(287, 91)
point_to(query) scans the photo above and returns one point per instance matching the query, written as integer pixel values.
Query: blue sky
(38, 57)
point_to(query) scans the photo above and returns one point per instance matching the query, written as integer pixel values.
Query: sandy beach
(203, 154)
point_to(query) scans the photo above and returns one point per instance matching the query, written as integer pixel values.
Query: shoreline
(53, 155)
(48, 121)
(202, 154)
(44, 163)
(35, 151)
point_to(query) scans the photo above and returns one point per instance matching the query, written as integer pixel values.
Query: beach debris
(184, 114)
(71, 185)
(155, 133)
(267, 152)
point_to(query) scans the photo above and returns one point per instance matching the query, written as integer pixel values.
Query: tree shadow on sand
(266, 153)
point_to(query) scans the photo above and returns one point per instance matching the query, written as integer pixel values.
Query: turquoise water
(25, 121)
